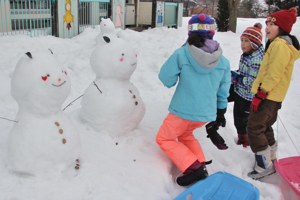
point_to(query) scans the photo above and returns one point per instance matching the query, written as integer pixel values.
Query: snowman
(108, 29)
(43, 140)
(111, 102)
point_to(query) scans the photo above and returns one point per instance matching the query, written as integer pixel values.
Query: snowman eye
(48, 75)
(122, 54)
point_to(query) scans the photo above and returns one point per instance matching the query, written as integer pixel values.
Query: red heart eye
(44, 78)
(65, 72)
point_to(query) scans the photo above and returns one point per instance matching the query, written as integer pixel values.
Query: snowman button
(134, 96)
(56, 123)
(130, 91)
(136, 103)
(64, 141)
(61, 131)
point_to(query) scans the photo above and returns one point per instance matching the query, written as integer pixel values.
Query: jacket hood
(203, 62)
(290, 44)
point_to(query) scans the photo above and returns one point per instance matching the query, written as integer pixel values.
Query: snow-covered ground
(132, 166)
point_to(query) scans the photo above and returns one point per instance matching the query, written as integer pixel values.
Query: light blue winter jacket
(204, 82)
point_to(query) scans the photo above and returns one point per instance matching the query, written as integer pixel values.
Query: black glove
(221, 121)
(217, 140)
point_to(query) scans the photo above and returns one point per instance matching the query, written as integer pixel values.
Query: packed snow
(132, 166)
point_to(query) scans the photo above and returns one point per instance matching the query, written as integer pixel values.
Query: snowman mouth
(59, 85)
(133, 64)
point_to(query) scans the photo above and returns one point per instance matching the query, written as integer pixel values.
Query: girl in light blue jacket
(204, 78)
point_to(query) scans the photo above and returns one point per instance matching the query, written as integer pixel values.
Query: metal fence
(91, 12)
(30, 17)
(37, 17)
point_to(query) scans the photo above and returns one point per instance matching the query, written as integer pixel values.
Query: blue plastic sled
(221, 185)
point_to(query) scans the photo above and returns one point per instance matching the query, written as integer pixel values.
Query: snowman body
(112, 102)
(44, 140)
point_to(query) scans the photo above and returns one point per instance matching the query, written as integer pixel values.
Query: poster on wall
(118, 13)
(159, 13)
(67, 18)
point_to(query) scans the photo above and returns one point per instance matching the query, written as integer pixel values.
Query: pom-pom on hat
(203, 25)
(284, 19)
(254, 34)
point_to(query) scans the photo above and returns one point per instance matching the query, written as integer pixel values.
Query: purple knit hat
(203, 25)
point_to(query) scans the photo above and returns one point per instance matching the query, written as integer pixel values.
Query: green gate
(30, 17)
(91, 12)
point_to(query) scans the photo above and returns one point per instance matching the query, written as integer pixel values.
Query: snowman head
(116, 60)
(40, 82)
(107, 26)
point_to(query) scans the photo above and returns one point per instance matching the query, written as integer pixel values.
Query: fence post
(5, 22)
(179, 14)
(67, 18)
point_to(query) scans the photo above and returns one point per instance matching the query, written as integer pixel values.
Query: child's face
(245, 45)
(272, 30)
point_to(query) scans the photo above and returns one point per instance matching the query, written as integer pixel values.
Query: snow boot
(274, 151)
(263, 165)
(243, 139)
(191, 175)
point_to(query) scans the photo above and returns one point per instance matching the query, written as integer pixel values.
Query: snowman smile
(133, 64)
(59, 85)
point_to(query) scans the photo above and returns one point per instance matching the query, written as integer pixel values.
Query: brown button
(134, 96)
(77, 167)
(61, 131)
(136, 103)
(64, 141)
(56, 123)
(130, 91)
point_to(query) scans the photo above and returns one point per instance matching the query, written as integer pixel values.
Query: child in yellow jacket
(270, 87)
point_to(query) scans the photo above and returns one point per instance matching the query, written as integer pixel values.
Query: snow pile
(132, 166)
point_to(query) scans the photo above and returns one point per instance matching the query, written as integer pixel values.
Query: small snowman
(112, 102)
(43, 140)
(108, 29)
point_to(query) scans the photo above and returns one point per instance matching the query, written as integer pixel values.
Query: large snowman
(43, 140)
(112, 103)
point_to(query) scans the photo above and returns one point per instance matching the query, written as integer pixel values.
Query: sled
(289, 169)
(220, 185)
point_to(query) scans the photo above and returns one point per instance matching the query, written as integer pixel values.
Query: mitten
(236, 77)
(243, 139)
(257, 100)
(217, 140)
(221, 121)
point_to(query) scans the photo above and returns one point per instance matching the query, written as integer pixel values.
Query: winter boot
(192, 175)
(274, 151)
(263, 165)
(243, 139)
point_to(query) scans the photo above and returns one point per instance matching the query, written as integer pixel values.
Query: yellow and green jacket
(276, 69)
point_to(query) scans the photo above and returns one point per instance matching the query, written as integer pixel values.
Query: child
(253, 53)
(270, 86)
(200, 97)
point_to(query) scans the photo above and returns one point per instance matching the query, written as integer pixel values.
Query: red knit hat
(254, 34)
(284, 19)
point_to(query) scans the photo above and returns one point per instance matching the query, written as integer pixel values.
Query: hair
(196, 40)
(282, 33)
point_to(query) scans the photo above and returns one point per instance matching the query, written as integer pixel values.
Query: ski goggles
(205, 27)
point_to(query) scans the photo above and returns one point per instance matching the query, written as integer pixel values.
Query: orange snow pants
(186, 149)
